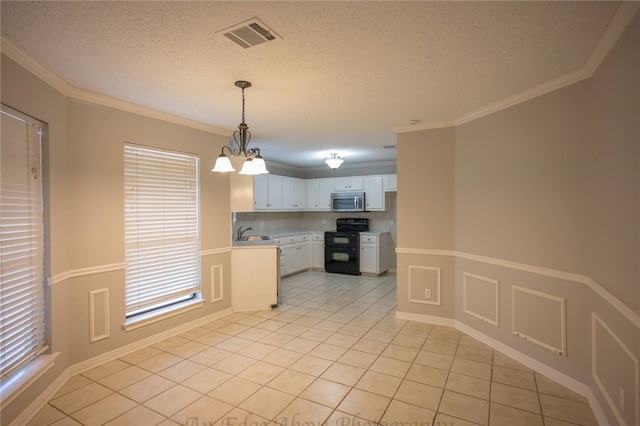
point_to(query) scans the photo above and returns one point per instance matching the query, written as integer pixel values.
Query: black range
(342, 247)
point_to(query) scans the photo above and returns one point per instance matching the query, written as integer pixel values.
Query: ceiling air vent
(249, 33)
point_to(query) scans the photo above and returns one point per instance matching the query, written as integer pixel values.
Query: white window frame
(162, 244)
(22, 254)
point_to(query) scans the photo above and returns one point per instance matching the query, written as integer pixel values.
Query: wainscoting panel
(98, 315)
(480, 298)
(425, 285)
(548, 330)
(217, 283)
(611, 362)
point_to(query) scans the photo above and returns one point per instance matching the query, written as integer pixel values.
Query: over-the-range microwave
(349, 201)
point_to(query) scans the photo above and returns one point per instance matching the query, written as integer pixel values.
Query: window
(22, 307)
(161, 230)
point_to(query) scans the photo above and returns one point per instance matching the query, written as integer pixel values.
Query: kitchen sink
(256, 238)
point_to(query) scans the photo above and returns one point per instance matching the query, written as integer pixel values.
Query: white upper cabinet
(390, 183)
(353, 183)
(267, 192)
(293, 194)
(373, 193)
(281, 193)
(319, 194)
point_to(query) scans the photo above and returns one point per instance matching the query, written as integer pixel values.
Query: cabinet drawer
(317, 237)
(373, 239)
(292, 239)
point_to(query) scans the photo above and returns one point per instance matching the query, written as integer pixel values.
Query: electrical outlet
(427, 293)
(622, 399)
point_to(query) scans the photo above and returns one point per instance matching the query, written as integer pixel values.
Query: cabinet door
(299, 194)
(317, 254)
(290, 258)
(303, 256)
(390, 183)
(287, 193)
(260, 192)
(347, 184)
(293, 193)
(374, 194)
(313, 194)
(275, 192)
(369, 258)
(324, 194)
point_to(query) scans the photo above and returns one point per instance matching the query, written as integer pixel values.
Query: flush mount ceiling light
(334, 161)
(253, 161)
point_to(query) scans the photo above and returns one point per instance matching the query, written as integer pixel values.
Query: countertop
(255, 244)
(275, 235)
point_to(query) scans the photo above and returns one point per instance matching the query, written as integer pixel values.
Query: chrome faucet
(242, 231)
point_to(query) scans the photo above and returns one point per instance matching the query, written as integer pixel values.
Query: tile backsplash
(265, 223)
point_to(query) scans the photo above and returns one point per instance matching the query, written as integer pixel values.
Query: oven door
(341, 239)
(342, 260)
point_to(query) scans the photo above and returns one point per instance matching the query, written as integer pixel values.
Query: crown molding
(25, 60)
(424, 126)
(344, 165)
(618, 23)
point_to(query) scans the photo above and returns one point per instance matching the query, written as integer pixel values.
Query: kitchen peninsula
(256, 275)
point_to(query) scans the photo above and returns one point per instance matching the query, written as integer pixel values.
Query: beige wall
(546, 236)
(84, 159)
(427, 181)
(520, 183)
(611, 158)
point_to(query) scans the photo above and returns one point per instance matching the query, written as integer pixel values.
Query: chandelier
(253, 162)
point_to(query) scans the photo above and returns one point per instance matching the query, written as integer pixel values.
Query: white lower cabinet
(294, 255)
(317, 251)
(374, 253)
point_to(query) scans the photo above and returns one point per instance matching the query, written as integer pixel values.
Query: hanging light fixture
(334, 161)
(253, 162)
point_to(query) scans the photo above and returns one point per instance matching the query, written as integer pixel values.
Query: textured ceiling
(342, 76)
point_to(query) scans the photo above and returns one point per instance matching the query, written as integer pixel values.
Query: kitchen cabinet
(267, 192)
(373, 192)
(317, 251)
(293, 194)
(295, 253)
(390, 183)
(319, 194)
(353, 183)
(374, 253)
(282, 193)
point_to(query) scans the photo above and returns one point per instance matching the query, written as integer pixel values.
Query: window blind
(22, 308)
(161, 228)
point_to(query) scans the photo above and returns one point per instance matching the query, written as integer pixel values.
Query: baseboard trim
(29, 413)
(41, 400)
(555, 375)
(430, 319)
(140, 344)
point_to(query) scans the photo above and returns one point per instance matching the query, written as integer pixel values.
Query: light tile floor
(332, 352)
